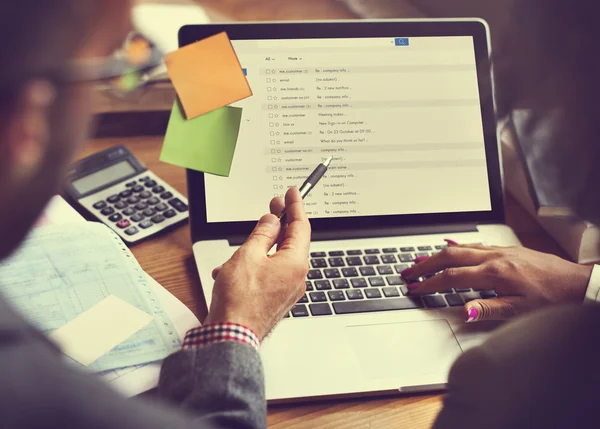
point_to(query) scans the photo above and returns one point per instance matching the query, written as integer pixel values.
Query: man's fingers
(264, 235)
(216, 272)
(494, 309)
(450, 257)
(297, 232)
(448, 279)
(276, 206)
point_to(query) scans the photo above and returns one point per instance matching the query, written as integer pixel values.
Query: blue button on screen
(401, 41)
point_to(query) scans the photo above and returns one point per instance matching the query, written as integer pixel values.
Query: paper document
(207, 75)
(59, 273)
(206, 143)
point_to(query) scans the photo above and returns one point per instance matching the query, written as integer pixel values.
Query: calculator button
(137, 217)
(137, 188)
(160, 207)
(158, 189)
(107, 211)
(150, 184)
(169, 213)
(113, 199)
(178, 205)
(143, 179)
(125, 194)
(166, 195)
(133, 200)
(124, 223)
(158, 218)
(131, 184)
(153, 201)
(141, 206)
(145, 194)
(120, 205)
(129, 211)
(132, 231)
(115, 218)
(146, 224)
(149, 212)
(99, 205)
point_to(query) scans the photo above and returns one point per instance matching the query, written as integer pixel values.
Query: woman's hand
(522, 278)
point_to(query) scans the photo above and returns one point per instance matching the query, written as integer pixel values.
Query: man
(46, 104)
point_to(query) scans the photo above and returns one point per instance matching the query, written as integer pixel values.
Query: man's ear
(25, 138)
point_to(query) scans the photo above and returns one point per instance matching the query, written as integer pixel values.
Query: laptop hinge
(378, 232)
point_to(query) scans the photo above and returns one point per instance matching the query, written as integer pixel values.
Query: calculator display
(108, 175)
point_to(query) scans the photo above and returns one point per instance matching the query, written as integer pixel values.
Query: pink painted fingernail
(407, 272)
(421, 259)
(450, 242)
(473, 314)
(412, 286)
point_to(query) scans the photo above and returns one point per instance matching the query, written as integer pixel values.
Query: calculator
(116, 188)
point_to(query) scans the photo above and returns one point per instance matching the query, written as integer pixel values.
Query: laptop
(405, 109)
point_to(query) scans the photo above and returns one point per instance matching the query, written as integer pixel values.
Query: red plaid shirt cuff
(218, 333)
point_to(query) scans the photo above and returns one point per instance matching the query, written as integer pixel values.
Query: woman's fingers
(494, 309)
(450, 278)
(451, 257)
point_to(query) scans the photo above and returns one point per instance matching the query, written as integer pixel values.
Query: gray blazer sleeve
(538, 372)
(218, 386)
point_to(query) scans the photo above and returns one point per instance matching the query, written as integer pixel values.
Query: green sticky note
(205, 143)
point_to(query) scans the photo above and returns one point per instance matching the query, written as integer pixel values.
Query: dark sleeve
(219, 386)
(538, 372)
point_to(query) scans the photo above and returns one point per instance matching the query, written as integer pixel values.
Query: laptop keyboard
(367, 280)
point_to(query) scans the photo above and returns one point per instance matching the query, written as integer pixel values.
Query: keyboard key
(390, 292)
(390, 250)
(120, 205)
(371, 251)
(348, 307)
(150, 184)
(376, 281)
(113, 199)
(314, 274)
(125, 194)
(318, 254)
(166, 195)
(336, 295)
(129, 211)
(371, 260)
(424, 248)
(372, 293)
(131, 184)
(341, 284)
(350, 272)
(367, 271)
(309, 285)
(170, 213)
(124, 223)
(152, 201)
(178, 205)
(336, 253)
(354, 252)
(354, 294)
(421, 254)
(454, 300)
(487, 294)
(132, 231)
(440, 246)
(133, 200)
(354, 261)
(384, 270)
(160, 207)
(470, 296)
(138, 217)
(146, 224)
(299, 311)
(336, 262)
(141, 206)
(99, 205)
(359, 282)
(143, 179)
(394, 280)
(404, 289)
(462, 290)
(322, 285)
(137, 188)
(332, 273)
(158, 190)
(303, 300)
(388, 259)
(434, 301)
(405, 257)
(145, 195)
(401, 267)
(318, 263)
(407, 249)
(149, 212)
(320, 309)
(107, 211)
(158, 218)
(318, 296)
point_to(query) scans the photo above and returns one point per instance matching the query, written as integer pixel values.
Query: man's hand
(257, 290)
(522, 278)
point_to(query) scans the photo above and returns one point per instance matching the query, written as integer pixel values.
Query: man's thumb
(493, 309)
(265, 234)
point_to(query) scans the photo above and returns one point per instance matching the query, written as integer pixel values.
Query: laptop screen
(401, 117)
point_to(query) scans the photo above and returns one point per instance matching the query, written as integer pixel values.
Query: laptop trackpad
(409, 348)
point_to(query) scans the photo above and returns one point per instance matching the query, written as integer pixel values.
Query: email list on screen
(400, 116)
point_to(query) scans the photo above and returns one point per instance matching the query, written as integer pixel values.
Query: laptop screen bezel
(203, 230)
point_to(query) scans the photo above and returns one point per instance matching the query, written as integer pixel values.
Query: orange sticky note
(207, 75)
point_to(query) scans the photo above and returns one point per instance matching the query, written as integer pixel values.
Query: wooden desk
(168, 258)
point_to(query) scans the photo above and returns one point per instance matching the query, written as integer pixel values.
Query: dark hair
(548, 61)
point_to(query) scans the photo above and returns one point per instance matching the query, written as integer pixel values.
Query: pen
(310, 183)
